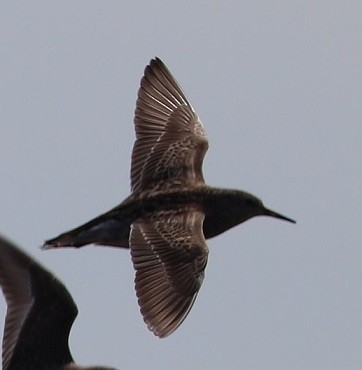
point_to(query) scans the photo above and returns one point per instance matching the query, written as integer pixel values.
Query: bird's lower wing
(169, 254)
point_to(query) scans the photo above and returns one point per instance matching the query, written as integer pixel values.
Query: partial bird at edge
(40, 314)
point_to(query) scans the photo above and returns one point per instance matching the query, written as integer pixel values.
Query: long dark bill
(269, 212)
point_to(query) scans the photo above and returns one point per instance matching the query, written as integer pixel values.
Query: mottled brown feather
(170, 140)
(169, 254)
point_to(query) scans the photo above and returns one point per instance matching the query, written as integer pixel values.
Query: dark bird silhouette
(40, 314)
(171, 211)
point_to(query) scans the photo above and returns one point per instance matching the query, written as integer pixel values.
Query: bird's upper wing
(169, 254)
(170, 140)
(39, 316)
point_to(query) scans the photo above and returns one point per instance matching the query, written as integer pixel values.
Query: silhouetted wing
(169, 254)
(39, 316)
(170, 140)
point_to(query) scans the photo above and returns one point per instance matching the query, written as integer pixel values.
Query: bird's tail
(111, 232)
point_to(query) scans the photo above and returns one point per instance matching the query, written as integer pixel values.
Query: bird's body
(39, 316)
(171, 211)
(223, 209)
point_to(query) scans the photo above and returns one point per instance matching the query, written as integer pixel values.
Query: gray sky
(277, 85)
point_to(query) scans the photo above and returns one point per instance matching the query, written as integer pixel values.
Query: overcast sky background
(277, 85)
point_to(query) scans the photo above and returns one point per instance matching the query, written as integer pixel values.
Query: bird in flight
(171, 211)
(40, 314)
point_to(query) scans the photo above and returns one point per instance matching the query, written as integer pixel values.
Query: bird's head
(252, 206)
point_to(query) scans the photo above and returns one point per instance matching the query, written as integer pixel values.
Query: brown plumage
(170, 211)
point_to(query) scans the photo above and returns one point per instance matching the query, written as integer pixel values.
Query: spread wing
(170, 141)
(39, 316)
(169, 254)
